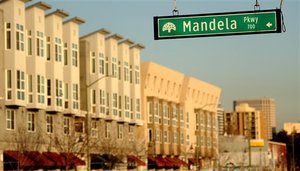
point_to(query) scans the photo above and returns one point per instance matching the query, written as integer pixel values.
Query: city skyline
(245, 67)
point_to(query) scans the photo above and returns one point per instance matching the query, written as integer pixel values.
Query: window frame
(10, 119)
(31, 122)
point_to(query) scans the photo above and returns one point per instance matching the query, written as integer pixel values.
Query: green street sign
(218, 24)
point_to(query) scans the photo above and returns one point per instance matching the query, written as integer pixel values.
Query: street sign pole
(217, 24)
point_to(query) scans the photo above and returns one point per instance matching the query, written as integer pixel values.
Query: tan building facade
(268, 107)
(246, 121)
(53, 79)
(180, 115)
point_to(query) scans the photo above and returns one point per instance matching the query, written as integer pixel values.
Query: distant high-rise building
(246, 121)
(220, 116)
(268, 107)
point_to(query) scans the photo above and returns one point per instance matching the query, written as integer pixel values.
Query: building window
(49, 92)
(157, 135)
(181, 118)
(187, 120)
(174, 116)
(65, 54)
(114, 68)
(150, 135)
(8, 85)
(120, 72)
(29, 43)
(41, 89)
(75, 97)
(93, 63)
(49, 123)
(107, 99)
(166, 116)
(30, 89)
(126, 71)
(138, 105)
(107, 129)
(181, 138)
(20, 85)
(137, 75)
(66, 125)
(115, 100)
(150, 112)
(10, 119)
(74, 54)
(30, 121)
(130, 75)
(127, 106)
(79, 126)
(120, 131)
(40, 44)
(166, 137)
(102, 102)
(94, 129)
(66, 93)
(20, 37)
(93, 100)
(59, 92)
(156, 113)
(48, 49)
(8, 35)
(58, 49)
(101, 63)
(131, 133)
(127, 103)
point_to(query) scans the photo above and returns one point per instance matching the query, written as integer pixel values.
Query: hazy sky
(248, 66)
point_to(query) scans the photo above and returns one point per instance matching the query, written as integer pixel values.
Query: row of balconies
(176, 149)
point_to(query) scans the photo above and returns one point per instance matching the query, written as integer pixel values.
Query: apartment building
(38, 100)
(61, 104)
(180, 114)
(110, 91)
(246, 121)
(268, 107)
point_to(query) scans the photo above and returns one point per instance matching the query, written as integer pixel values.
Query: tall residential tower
(268, 108)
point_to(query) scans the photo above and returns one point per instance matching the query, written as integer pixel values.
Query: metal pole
(293, 150)
(88, 131)
(88, 120)
(249, 139)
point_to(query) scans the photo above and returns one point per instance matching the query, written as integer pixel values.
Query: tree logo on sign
(169, 26)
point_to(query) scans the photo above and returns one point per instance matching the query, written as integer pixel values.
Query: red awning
(64, 159)
(39, 159)
(56, 158)
(20, 158)
(72, 159)
(165, 162)
(136, 160)
(180, 162)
